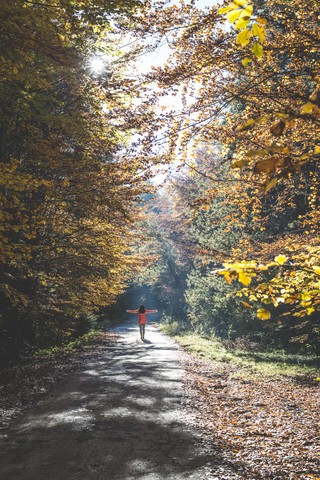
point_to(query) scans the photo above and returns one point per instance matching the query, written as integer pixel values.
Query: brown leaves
(21, 385)
(270, 165)
(268, 428)
(315, 97)
(267, 166)
(278, 128)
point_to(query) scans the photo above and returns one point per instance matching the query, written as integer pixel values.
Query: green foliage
(84, 341)
(170, 326)
(211, 311)
(164, 246)
(262, 120)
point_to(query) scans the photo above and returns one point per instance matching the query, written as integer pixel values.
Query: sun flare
(96, 65)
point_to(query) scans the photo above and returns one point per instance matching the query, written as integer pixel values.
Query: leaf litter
(268, 426)
(22, 385)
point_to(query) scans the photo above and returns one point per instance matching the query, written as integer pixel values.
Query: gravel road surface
(119, 418)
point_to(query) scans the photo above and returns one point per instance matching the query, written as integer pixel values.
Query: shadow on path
(118, 419)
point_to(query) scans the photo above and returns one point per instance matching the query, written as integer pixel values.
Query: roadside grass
(271, 364)
(86, 340)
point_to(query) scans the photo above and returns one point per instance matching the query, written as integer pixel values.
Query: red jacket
(142, 316)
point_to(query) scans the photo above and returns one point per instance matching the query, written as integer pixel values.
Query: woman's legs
(142, 330)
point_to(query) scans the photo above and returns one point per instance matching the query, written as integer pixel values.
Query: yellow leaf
(317, 149)
(307, 107)
(246, 126)
(245, 61)
(270, 184)
(240, 3)
(233, 15)
(255, 153)
(278, 148)
(305, 304)
(244, 278)
(281, 259)
(258, 32)
(240, 163)
(225, 9)
(242, 22)
(247, 304)
(243, 38)
(15, 70)
(232, 6)
(262, 21)
(257, 50)
(227, 277)
(263, 314)
(316, 269)
(310, 310)
(247, 10)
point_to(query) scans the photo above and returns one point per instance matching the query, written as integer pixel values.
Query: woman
(142, 318)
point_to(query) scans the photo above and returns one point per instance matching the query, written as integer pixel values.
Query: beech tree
(68, 195)
(262, 116)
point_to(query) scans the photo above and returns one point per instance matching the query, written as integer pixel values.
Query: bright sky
(156, 59)
(159, 56)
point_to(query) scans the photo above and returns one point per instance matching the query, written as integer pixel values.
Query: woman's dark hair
(142, 309)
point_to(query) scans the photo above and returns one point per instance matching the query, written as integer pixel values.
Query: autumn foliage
(235, 108)
(247, 93)
(68, 198)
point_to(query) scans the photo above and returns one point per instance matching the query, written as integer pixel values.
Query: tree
(263, 117)
(68, 196)
(167, 246)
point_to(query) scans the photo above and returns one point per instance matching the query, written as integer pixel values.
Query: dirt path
(119, 418)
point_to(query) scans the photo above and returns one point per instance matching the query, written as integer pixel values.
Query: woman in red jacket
(142, 318)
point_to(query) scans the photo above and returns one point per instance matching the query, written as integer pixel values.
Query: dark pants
(142, 329)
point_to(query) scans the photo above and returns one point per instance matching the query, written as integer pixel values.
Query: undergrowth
(86, 340)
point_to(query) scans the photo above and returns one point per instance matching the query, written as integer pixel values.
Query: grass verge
(266, 363)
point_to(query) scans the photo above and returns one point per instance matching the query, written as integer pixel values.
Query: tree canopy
(68, 196)
(248, 94)
(235, 110)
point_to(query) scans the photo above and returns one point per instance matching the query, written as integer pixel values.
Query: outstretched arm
(151, 311)
(132, 311)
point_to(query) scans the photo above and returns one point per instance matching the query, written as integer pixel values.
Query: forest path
(119, 418)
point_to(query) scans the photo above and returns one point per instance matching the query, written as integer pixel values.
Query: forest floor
(124, 409)
(119, 416)
(23, 384)
(269, 423)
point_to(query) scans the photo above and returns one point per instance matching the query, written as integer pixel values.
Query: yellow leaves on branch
(316, 269)
(257, 50)
(243, 38)
(246, 61)
(244, 278)
(288, 160)
(259, 31)
(242, 271)
(294, 281)
(239, 13)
